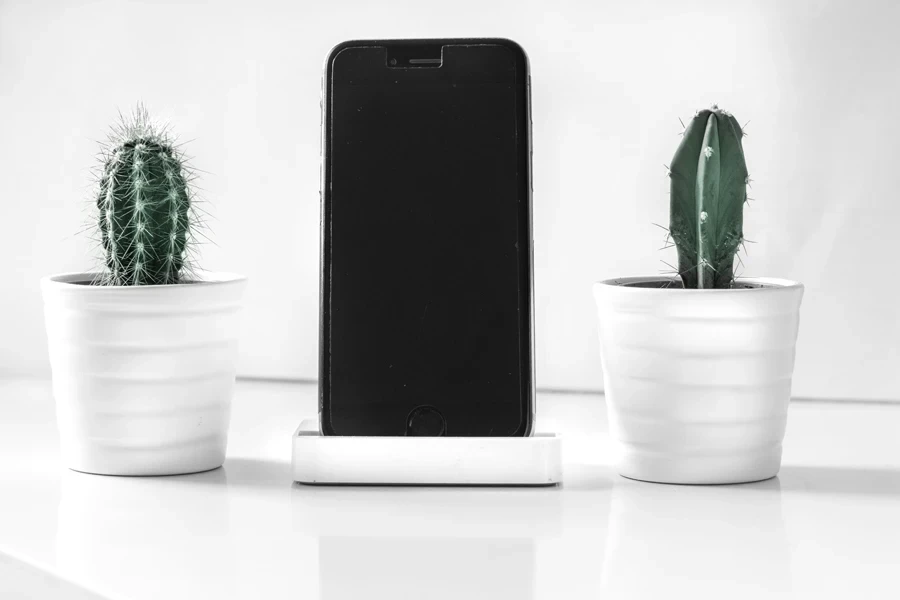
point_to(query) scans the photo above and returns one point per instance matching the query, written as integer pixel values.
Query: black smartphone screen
(426, 299)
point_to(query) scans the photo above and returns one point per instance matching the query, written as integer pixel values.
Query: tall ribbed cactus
(144, 204)
(708, 190)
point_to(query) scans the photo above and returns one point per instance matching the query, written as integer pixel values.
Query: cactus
(708, 190)
(145, 213)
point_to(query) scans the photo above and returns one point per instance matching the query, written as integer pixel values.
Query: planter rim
(69, 279)
(769, 285)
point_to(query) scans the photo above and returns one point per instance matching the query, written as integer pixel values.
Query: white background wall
(819, 82)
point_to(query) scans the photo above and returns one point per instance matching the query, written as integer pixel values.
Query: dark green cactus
(145, 206)
(708, 190)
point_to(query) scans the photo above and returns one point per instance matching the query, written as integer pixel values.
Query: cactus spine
(144, 206)
(708, 190)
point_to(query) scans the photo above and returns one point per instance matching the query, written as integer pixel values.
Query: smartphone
(426, 320)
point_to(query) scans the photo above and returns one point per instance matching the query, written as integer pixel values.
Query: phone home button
(425, 421)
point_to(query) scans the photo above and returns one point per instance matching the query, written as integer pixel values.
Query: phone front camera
(393, 62)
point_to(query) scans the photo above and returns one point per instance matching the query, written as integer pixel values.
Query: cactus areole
(144, 206)
(708, 191)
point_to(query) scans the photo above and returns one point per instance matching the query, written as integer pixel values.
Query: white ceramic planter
(143, 376)
(697, 382)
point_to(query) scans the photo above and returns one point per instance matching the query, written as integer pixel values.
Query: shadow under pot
(697, 382)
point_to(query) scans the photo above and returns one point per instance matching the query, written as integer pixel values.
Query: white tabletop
(827, 527)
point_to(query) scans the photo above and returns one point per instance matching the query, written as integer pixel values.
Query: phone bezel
(526, 280)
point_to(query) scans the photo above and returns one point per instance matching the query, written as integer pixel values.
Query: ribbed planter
(697, 382)
(143, 376)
